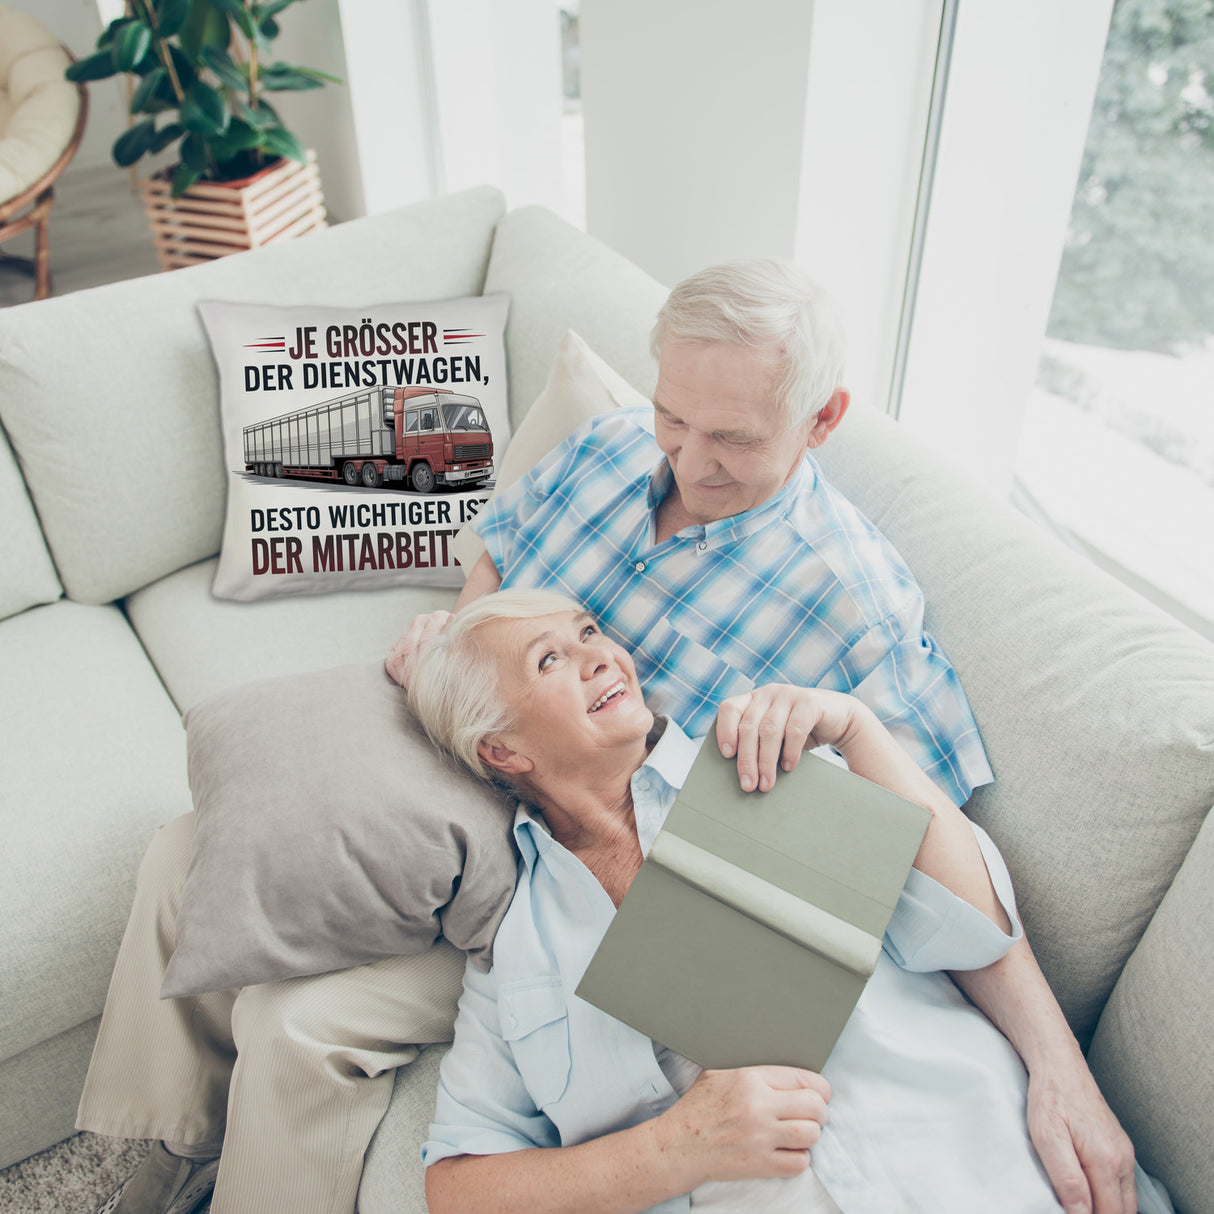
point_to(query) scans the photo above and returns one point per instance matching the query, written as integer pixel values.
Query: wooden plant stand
(215, 218)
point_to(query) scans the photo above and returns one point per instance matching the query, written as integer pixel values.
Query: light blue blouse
(928, 1104)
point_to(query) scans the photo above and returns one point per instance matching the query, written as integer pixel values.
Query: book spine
(802, 922)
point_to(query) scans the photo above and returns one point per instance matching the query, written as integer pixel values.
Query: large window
(1117, 445)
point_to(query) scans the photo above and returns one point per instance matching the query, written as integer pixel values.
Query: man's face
(573, 691)
(716, 419)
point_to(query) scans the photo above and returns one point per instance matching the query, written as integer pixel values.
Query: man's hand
(750, 1122)
(1086, 1154)
(770, 727)
(400, 662)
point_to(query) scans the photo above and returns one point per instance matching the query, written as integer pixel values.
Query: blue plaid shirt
(802, 589)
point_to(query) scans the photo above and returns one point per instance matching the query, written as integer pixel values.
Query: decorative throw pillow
(357, 442)
(580, 386)
(330, 833)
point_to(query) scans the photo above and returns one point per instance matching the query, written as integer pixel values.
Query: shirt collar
(737, 526)
(655, 784)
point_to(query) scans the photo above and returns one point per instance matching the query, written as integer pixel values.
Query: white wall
(497, 69)
(694, 124)
(870, 81)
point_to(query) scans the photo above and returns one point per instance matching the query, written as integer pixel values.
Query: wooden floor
(98, 234)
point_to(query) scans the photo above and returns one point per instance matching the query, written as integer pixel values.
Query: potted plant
(201, 71)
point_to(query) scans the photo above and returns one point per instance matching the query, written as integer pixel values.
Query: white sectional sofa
(1097, 711)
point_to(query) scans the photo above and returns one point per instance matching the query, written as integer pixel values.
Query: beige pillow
(580, 386)
(330, 833)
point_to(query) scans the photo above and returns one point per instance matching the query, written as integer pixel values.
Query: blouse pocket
(535, 1023)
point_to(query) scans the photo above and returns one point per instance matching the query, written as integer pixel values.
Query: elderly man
(704, 538)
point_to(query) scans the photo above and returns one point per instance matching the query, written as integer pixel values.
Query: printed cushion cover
(357, 442)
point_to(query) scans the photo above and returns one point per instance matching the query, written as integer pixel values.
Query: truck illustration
(426, 436)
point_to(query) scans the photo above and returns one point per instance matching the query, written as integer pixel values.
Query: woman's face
(574, 693)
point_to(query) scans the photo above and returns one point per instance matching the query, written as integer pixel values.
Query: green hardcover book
(757, 918)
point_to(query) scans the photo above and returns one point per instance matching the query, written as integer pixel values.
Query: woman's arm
(730, 1125)
(769, 728)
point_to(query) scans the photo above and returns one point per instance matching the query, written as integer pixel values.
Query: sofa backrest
(1095, 708)
(559, 278)
(110, 396)
(27, 575)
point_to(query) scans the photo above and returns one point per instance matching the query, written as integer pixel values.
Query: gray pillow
(330, 833)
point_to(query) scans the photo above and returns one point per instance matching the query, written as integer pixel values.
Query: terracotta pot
(215, 218)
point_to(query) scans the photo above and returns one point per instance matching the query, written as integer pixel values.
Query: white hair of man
(763, 303)
(455, 692)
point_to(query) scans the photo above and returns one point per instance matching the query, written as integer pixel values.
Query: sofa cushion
(1152, 1054)
(328, 833)
(110, 396)
(93, 760)
(27, 576)
(202, 645)
(1097, 710)
(558, 279)
(305, 392)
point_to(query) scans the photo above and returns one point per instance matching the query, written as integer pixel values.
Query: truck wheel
(278, 471)
(349, 473)
(422, 477)
(370, 475)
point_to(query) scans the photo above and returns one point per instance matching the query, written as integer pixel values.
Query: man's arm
(1087, 1155)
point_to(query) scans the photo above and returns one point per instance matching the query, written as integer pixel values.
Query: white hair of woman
(761, 303)
(454, 690)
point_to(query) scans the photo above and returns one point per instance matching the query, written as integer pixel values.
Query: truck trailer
(426, 436)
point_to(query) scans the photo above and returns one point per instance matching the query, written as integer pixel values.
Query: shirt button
(703, 545)
(639, 566)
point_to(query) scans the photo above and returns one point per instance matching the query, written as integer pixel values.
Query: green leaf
(194, 153)
(183, 178)
(281, 142)
(238, 13)
(317, 74)
(241, 137)
(225, 67)
(130, 45)
(187, 73)
(144, 97)
(280, 77)
(132, 144)
(205, 26)
(95, 67)
(166, 135)
(203, 111)
(269, 30)
(272, 9)
(110, 32)
(171, 16)
(261, 118)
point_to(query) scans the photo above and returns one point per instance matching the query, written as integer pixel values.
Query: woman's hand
(770, 727)
(750, 1122)
(401, 661)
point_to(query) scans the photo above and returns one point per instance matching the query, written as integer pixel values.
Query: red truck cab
(442, 438)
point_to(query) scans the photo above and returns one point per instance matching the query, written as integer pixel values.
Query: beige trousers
(293, 1076)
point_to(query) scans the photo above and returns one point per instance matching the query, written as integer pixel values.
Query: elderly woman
(547, 1103)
